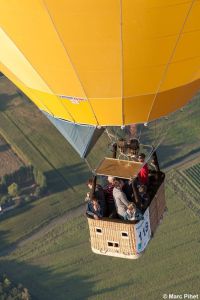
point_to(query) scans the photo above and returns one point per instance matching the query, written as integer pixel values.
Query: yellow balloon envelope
(102, 62)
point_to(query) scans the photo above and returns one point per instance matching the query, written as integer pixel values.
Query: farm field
(24, 221)
(61, 265)
(9, 161)
(38, 142)
(193, 174)
(185, 181)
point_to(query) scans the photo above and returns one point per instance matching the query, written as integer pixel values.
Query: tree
(4, 182)
(37, 192)
(6, 282)
(41, 181)
(13, 189)
(5, 200)
(10, 291)
(27, 198)
(25, 294)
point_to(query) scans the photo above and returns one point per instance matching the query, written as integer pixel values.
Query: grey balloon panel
(81, 137)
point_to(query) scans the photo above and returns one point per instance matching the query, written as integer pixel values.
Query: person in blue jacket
(94, 209)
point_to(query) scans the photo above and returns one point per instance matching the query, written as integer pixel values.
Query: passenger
(136, 198)
(108, 191)
(144, 172)
(133, 214)
(120, 199)
(133, 130)
(94, 209)
(143, 193)
(144, 197)
(128, 190)
(99, 194)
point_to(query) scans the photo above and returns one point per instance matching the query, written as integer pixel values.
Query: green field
(37, 141)
(185, 181)
(60, 265)
(179, 134)
(193, 173)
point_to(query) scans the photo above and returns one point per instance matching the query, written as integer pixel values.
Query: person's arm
(124, 199)
(146, 170)
(126, 217)
(88, 210)
(99, 213)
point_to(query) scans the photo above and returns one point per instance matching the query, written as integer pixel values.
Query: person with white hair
(120, 199)
(133, 213)
(108, 190)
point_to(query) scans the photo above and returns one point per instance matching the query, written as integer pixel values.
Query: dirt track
(44, 230)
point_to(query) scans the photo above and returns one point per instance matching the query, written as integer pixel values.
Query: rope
(89, 166)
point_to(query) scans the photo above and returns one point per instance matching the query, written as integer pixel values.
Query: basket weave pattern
(115, 238)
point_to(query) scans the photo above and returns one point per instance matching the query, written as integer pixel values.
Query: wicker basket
(117, 238)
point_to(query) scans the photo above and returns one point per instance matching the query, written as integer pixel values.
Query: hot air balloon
(93, 65)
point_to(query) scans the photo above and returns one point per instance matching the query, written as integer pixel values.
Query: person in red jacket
(144, 172)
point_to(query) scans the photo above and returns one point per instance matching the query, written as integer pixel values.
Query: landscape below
(58, 263)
